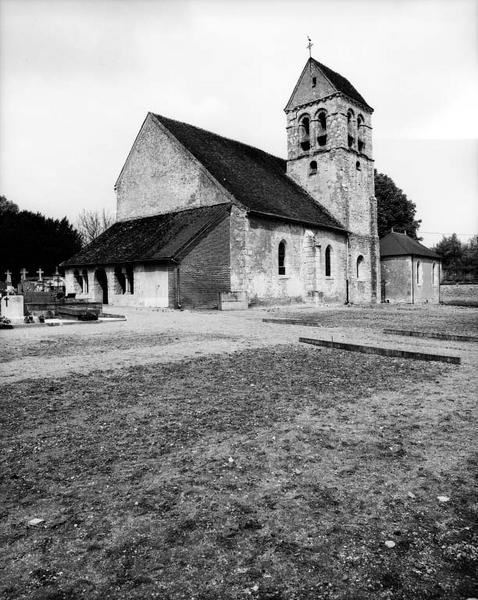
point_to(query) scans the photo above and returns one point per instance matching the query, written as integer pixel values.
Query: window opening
(304, 133)
(322, 128)
(360, 260)
(313, 168)
(282, 258)
(350, 129)
(357, 166)
(314, 81)
(328, 261)
(360, 134)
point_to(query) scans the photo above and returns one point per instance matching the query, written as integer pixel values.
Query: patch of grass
(461, 321)
(266, 474)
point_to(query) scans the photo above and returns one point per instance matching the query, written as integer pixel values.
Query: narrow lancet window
(360, 134)
(282, 258)
(350, 129)
(328, 261)
(360, 267)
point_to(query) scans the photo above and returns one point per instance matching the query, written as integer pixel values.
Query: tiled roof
(258, 180)
(158, 238)
(399, 244)
(341, 84)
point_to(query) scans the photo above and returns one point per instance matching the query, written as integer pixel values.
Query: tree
(394, 209)
(90, 224)
(31, 240)
(459, 261)
(7, 207)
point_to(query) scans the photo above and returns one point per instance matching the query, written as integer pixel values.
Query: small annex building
(410, 271)
(201, 217)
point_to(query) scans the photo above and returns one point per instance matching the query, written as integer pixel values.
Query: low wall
(462, 294)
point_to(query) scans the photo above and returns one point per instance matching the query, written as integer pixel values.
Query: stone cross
(8, 280)
(23, 274)
(40, 273)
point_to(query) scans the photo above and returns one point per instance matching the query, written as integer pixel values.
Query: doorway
(102, 281)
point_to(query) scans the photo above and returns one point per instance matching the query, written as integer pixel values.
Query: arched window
(360, 134)
(419, 277)
(313, 168)
(304, 132)
(350, 129)
(328, 261)
(357, 166)
(360, 267)
(281, 256)
(322, 128)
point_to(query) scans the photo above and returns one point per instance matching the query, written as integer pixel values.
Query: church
(206, 221)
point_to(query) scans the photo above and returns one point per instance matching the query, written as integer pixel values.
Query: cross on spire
(309, 46)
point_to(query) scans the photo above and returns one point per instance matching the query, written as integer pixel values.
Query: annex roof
(150, 239)
(256, 179)
(400, 244)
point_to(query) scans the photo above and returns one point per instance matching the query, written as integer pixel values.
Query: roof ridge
(222, 137)
(338, 80)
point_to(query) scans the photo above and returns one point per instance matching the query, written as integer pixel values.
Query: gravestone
(11, 307)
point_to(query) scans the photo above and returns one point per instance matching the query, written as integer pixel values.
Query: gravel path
(154, 336)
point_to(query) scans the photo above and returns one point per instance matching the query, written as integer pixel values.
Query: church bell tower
(329, 148)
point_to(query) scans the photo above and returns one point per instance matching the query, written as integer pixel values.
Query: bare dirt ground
(210, 456)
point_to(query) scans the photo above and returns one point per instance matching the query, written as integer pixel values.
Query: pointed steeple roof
(330, 82)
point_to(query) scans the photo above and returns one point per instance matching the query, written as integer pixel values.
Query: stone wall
(397, 279)
(161, 176)
(304, 278)
(341, 178)
(426, 285)
(414, 280)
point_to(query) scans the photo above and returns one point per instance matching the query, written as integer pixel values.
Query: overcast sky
(78, 77)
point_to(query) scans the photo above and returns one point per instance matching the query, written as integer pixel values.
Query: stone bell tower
(329, 147)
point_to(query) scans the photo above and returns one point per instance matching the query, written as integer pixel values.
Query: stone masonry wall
(341, 178)
(427, 285)
(400, 282)
(304, 278)
(397, 279)
(161, 177)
